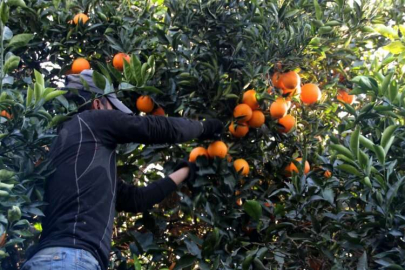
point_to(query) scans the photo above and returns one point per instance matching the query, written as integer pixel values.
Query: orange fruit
(196, 152)
(243, 112)
(267, 204)
(289, 80)
(217, 149)
(257, 119)
(144, 104)
(80, 17)
(278, 108)
(79, 65)
(327, 174)
(5, 114)
(237, 192)
(159, 111)
(118, 60)
(241, 165)
(289, 93)
(239, 201)
(238, 130)
(345, 97)
(290, 168)
(249, 98)
(288, 122)
(310, 93)
(275, 79)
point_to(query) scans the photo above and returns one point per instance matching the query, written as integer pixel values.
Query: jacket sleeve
(135, 199)
(117, 127)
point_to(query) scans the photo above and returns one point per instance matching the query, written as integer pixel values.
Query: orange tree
(197, 59)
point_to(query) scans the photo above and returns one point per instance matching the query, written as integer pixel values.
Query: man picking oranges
(83, 193)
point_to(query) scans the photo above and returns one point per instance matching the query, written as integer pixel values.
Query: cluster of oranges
(144, 103)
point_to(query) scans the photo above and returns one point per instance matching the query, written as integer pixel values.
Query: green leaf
(4, 12)
(151, 89)
(366, 142)
(137, 264)
(380, 153)
(387, 137)
(247, 262)
(7, 33)
(14, 214)
(253, 209)
(318, 10)
(11, 63)
(363, 159)
(393, 91)
(354, 142)
(39, 78)
(362, 263)
(185, 261)
(20, 40)
(54, 94)
(386, 83)
(58, 119)
(37, 92)
(99, 80)
(30, 93)
(16, 3)
(136, 67)
(342, 150)
(386, 31)
(395, 47)
(349, 169)
(291, 13)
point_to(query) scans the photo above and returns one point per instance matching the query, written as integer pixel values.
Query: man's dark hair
(87, 106)
(84, 99)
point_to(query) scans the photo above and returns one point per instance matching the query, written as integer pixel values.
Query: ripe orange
(278, 108)
(239, 201)
(327, 174)
(243, 112)
(217, 149)
(118, 60)
(79, 65)
(241, 164)
(288, 122)
(289, 93)
(345, 97)
(80, 17)
(249, 98)
(275, 79)
(290, 168)
(239, 130)
(196, 152)
(290, 80)
(5, 114)
(144, 104)
(159, 111)
(257, 119)
(310, 93)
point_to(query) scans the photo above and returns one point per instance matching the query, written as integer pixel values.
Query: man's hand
(180, 175)
(184, 171)
(211, 128)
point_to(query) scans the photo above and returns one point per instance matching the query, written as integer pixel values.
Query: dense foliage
(196, 59)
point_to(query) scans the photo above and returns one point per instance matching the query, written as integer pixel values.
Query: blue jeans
(62, 258)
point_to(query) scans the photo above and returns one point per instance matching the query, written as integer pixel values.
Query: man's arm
(138, 199)
(117, 127)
